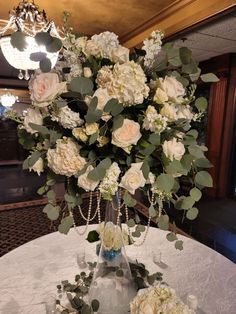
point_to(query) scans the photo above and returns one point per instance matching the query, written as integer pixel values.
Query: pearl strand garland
(152, 202)
(88, 219)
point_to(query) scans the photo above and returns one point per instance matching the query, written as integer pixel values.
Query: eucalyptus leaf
(145, 169)
(187, 202)
(154, 139)
(203, 163)
(195, 194)
(97, 174)
(93, 138)
(45, 65)
(93, 236)
(118, 122)
(185, 55)
(54, 46)
(192, 213)
(152, 211)
(43, 38)
(113, 107)
(201, 104)
(179, 245)
(39, 128)
(171, 237)
(163, 222)
(81, 85)
(165, 182)
(129, 200)
(209, 78)
(95, 305)
(131, 223)
(203, 178)
(196, 151)
(52, 211)
(66, 224)
(18, 41)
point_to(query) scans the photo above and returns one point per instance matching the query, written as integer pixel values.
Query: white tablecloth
(30, 273)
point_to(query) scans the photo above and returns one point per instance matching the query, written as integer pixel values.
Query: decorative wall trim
(177, 17)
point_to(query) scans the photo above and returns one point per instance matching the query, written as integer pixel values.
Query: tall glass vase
(112, 283)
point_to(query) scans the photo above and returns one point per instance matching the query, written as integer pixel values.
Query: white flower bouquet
(159, 299)
(107, 118)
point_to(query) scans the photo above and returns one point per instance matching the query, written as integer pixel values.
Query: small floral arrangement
(159, 299)
(107, 118)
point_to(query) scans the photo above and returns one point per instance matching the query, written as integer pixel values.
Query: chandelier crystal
(28, 20)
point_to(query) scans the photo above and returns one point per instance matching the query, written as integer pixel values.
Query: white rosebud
(120, 54)
(133, 178)
(184, 112)
(87, 72)
(91, 128)
(32, 116)
(128, 134)
(172, 88)
(38, 166)
(86, 183)
(92, 49)
(80, 134)
(160, 96)
(173, 149)
(169, 111)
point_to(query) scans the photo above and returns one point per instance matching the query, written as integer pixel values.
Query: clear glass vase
(112, 283)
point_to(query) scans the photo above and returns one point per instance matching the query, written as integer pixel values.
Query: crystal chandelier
(21, 39)
(7, 99)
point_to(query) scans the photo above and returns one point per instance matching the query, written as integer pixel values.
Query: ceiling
(213, 39)
(94, 16)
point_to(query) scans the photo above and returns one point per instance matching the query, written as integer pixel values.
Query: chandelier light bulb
(8, 100)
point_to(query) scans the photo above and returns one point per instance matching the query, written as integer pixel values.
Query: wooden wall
(221, 121)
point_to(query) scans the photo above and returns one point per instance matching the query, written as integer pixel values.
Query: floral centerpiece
(111, 120)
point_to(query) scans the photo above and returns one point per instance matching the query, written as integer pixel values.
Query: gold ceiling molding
(177, 17)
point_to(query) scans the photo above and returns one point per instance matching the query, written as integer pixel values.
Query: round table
(30, 273)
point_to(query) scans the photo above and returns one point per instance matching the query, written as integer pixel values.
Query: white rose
(92, 48)
(133, 178)
(32, 116)
(107, 236)
(173, 88)
(128, 134)
(169, 111)
(91, 128)
(79, 134)
(160, 96)
(102, 140)
(44, 87)
(120, 54)
(184, 112)
(87, 72)
(173, 149)
(86, 183)
(38, 166)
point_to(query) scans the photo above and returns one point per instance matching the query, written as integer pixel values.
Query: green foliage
(129, 200)
(113, 107)
(195, 194)
(179, 245)
(209, 78)
(163, 222)
(165, 182)
(99, 172)
(81, 85)
(93, 236)
(66, 224)
(203, 178)
(192, 213)
(201, 104)
(18, 40)
(52, 211)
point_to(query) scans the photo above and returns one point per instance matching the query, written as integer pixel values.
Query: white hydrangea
(126, 82)
(153, 121)
(65, 158)
(107, 41)
(152, 46)
(109, 184)
(67, 118)
(159, 299)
